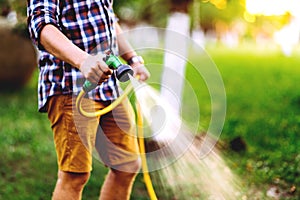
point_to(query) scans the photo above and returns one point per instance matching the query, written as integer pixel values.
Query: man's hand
(95, 69)
(127, 52)
(140, 70)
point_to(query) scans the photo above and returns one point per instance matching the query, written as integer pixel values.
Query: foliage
(4, 3)
(153, 12)
(18, 57)
(20, 7)
(210, 14)
(156, 11)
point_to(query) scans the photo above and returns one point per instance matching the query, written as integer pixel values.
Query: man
(67, 33)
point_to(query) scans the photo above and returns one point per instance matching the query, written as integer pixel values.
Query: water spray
(181, 166)
(123, 73)
(192, 175)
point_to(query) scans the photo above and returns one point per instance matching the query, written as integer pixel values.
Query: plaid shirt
(86, 23)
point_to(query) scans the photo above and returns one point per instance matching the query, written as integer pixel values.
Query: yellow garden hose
(146, 175)
(104, 110)
(140, 131)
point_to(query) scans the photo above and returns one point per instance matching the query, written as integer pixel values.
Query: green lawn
(263, 107)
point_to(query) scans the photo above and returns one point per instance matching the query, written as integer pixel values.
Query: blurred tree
(179, 5)
(154, 12)
(17, 53)
(20, 7)
(213, 11)
(18, 59)
(5, 7)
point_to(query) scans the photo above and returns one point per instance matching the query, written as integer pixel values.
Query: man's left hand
(140, 70)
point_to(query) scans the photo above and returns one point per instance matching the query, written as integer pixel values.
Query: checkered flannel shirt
(87, 25)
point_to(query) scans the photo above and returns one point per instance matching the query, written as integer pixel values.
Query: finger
(142, 77)
(134, 73)
(102, 81)
(103, 78)
(98, 80)
(96, 75)
(101, 75)
(104, 68)
(93, 79)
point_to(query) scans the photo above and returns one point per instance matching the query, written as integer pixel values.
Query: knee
(136, 165)
(132, 167)
(75, 181)
(128, 170)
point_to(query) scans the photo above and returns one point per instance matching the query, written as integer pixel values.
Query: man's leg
(116, 143)
(73, 137)
(70, 185)
(118, 184)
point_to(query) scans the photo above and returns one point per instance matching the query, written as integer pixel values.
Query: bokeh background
(254, 44)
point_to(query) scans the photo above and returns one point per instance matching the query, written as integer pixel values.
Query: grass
(263, 108)
(26, 148)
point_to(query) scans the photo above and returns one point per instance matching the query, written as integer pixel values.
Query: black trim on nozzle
(123, 72)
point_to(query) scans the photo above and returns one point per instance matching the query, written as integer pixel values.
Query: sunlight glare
(272, 7)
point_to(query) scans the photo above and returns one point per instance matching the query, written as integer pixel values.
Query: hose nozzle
(114, 63)
(122, 70)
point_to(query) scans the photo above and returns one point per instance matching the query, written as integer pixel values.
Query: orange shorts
(113, 135)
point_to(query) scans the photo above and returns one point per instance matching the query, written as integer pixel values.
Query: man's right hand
(95, 69)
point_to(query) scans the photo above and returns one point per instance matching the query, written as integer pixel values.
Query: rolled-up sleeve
(40, 13)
